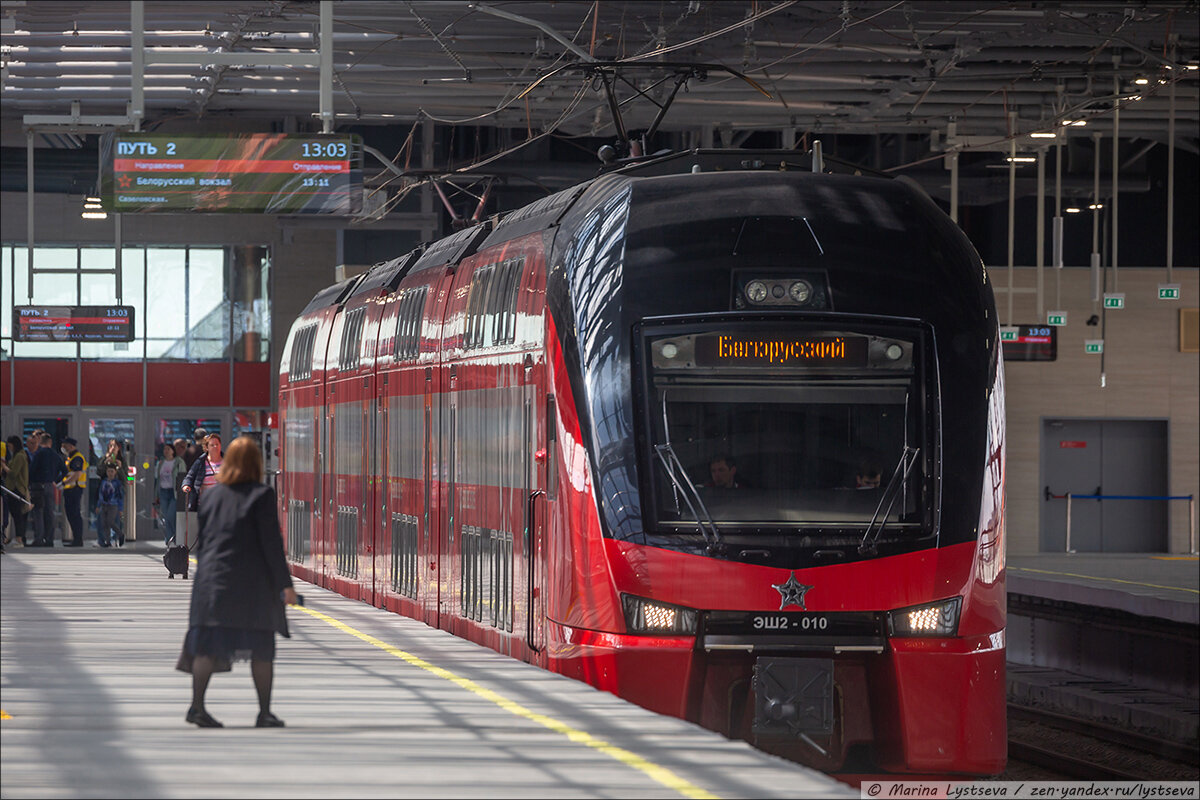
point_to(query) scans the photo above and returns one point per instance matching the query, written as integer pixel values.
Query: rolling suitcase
(176, 557)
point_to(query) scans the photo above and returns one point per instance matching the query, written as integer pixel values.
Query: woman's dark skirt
(225, 646)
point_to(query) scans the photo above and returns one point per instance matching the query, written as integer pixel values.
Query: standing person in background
(109, 506)
(195, 448)
(115, 456)
(169, 471)
(73, 485)
(16, 480)
(241, 584)
(45, 471)
(203, 474)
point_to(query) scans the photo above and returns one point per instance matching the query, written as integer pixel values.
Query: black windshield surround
(788, 432)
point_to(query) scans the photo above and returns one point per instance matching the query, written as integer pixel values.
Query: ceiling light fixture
(1043, 135)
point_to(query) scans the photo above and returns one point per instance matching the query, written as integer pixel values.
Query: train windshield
(832, 440)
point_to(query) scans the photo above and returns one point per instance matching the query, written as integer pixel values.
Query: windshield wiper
(899, 476)
(683, 485)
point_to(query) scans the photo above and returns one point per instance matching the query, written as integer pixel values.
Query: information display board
(73, 323)
(1029, 342)
(255, 173)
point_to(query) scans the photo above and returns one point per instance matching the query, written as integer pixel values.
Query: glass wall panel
(249, 290)
(97, 290)
(197, 304)
(55, 258)
(54, 290)
(208, 308)
(97, 258)
(166, 295)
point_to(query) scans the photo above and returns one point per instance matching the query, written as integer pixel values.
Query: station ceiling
(995, 70)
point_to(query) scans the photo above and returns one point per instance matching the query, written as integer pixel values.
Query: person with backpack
(109, 507)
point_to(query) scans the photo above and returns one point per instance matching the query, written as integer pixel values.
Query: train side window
(348, 354)
(408, 323)
(477, 306)
(504, 302)
(300, 363)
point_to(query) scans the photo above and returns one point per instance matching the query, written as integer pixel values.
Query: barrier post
(1069, 550)
(1192, 524)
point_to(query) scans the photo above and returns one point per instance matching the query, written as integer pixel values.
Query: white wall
(1146, 378)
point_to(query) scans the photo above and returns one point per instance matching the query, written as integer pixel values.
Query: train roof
(452, 249)
(332, 295)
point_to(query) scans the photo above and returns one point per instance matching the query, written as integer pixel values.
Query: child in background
(110, 504)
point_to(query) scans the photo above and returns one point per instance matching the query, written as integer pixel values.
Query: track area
(375, 704)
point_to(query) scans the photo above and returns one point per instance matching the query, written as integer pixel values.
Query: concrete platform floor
(376, 706)
(1147, 584)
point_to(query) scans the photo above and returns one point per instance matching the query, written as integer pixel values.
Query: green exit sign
(1093, 345)
(1008, 334)
(1058, 318)
(1114, 299)
(1168, 291)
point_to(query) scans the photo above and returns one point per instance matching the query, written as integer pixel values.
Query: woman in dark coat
(241, 585)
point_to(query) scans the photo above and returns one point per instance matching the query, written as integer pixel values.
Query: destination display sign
(254, 173)
(73, 323)
(1029, 342)
(754, 350)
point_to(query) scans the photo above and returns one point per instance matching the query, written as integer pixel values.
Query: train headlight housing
(800, 291)
(931, 619)
(756, 291)
(644, 616)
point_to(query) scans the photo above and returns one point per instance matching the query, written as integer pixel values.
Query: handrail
(1189, 497)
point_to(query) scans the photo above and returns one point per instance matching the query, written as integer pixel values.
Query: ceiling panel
(857, 67)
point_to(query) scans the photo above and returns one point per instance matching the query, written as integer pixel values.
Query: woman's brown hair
(243, 462)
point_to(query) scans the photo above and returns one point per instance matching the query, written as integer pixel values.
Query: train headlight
(800, 291)
(756, 291)
(933, 619)
(644, 616)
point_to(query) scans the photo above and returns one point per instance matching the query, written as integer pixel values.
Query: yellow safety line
(1175, 558)
(660, 774)
(1111, 580)
(4, 714)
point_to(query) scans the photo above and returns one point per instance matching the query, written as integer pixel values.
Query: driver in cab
(722, 470)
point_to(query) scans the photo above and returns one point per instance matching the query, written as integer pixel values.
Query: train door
(536, 453)
(448, 566)
(380, 480)
(367, 529)
(430, 543)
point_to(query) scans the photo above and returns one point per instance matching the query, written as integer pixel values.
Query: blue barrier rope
(1130, 497)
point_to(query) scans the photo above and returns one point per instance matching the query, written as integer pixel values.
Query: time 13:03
(324, 150)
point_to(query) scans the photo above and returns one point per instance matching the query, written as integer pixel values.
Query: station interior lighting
(1043, 135)
(1072, 210)
(92, 209)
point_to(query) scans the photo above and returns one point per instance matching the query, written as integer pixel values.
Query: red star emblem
(124, 180)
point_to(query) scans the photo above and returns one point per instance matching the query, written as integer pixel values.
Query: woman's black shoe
(268, 720)
(202, 719)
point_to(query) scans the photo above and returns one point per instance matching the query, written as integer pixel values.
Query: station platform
(1110, 637)
(376, 705)
(1146, 584)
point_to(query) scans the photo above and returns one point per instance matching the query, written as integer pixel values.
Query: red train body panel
(484, 435)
